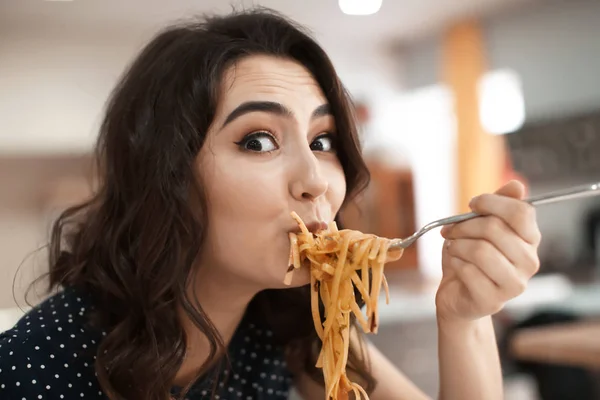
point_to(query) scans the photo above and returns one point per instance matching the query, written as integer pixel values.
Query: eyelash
(254, 135)
(331, 137)
(258, 134)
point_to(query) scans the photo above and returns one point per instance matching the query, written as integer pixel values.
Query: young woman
(170, 276)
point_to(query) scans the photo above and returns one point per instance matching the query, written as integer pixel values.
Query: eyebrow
(273, 108)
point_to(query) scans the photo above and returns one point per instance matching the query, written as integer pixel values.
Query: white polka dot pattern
(50, 353)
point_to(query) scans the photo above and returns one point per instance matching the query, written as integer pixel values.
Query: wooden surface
(386, 208)
(576, 344)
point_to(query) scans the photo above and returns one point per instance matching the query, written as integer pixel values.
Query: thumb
(514, 189)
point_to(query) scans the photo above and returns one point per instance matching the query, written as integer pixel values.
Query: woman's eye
(323, 143)
(260, 142)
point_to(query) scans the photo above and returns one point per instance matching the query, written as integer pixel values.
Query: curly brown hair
(132, 245)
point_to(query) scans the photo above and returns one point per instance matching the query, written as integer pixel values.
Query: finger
(482, 290)
(518, 252)
(445, 229)
(452, 264)
(490, 262)
(519, 215)
(514, 189)
(447, 266)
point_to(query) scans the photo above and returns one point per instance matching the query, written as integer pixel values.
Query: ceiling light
(360, 7)
(501, 102)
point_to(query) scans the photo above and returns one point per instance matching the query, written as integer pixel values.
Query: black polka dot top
(50, 353)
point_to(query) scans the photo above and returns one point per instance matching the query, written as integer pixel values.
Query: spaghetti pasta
(340, 262)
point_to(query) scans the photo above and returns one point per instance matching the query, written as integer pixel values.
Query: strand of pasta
(335, 258)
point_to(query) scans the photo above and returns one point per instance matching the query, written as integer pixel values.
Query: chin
(301, 278)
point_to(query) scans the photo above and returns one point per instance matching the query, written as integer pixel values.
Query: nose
(307, 180)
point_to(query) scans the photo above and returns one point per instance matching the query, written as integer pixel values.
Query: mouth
(313, 227)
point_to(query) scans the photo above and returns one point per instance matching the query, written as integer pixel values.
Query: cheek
(337, 187)
(241, 200)
(241, 192)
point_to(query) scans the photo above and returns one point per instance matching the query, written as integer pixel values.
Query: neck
(224, 298)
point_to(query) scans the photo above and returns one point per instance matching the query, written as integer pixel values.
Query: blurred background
(454, 99)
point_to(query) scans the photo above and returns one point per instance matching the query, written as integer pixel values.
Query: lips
(316, 226)
(313, 227)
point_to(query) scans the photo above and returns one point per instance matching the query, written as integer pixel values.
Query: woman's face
(270, 151)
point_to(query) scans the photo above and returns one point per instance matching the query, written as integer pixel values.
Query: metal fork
(553, 197)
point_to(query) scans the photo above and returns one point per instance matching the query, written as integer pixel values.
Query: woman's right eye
(258, 142)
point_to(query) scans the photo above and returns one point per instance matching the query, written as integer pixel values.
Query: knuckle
(524, 212)
(517, 287)
(451, 263)
(533, 263)
(521, 285)
(492, 305)
(450, 247)
(532, 212)
(465, 272)
(496, 307)
(457, 230)
(481, 251)
(525, 222)
(537, 236)
(492, 227)
(456, 263)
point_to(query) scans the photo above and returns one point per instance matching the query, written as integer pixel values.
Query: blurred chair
(554, 382)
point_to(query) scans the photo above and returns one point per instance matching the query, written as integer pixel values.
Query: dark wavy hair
(133, 243)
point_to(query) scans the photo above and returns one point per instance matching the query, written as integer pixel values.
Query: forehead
(270, 78)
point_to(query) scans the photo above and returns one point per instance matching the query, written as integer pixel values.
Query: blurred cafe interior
(453, 98)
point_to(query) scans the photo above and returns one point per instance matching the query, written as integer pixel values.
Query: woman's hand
(488, 260)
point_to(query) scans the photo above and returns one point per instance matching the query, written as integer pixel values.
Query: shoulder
(51, 349)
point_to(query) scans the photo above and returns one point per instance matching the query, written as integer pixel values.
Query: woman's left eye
(323, 143)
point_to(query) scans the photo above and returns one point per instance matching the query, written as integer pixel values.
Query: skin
(253, 185)
(270, 176)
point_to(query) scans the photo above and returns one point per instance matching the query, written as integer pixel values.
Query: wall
(53, 84)
(53, 88)
(21, 233)
(554, 48)
(28, 203)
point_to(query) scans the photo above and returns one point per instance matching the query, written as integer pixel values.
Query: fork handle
(546, 198)
(566, 194)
